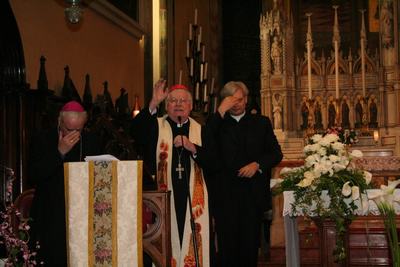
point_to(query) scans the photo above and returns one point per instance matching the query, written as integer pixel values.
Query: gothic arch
(343, 67)
(315, 68)
(369, 64)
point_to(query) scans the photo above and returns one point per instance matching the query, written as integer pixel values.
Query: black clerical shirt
(180, 185)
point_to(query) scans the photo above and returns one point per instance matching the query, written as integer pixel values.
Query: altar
(296, 241)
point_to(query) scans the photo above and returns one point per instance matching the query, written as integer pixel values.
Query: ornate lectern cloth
(184, 256)
(103, 213)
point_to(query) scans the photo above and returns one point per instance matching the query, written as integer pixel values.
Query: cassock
(241, 201)
(46, 172)
(173, 168)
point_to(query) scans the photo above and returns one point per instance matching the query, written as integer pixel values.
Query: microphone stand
(192, 223)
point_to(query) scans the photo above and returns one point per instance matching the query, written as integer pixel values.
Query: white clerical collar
(179, 125)
(238, 117)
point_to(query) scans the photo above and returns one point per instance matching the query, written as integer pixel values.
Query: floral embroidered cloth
(103, 211)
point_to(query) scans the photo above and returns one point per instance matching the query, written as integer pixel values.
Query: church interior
(309, 65)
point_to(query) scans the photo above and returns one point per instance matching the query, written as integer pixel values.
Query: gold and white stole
(185, 256)
(103, 202)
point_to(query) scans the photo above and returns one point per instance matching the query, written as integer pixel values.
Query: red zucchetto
(73, 106)
(178, 86)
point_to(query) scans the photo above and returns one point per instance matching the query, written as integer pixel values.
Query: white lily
(368, 177)
(386, 194)
(384, 199)
(355, 192)
(346, 189)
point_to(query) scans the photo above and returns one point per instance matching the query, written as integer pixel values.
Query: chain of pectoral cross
(180, 169)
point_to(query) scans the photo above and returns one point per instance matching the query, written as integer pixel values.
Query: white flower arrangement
(327, 167)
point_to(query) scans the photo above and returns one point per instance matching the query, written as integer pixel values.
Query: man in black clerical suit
(176, 150)
(49, 151)
(247, 150)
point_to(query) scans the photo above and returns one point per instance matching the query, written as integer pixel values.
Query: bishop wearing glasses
(177, 152)
(69, 142)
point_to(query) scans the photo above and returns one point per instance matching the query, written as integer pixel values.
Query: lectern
(104, 213)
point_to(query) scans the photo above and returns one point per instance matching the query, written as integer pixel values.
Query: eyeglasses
(175, 101)
(69, 130)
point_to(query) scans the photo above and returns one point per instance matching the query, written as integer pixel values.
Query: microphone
(179, 122)
(180, 130)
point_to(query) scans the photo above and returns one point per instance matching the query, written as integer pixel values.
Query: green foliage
(327, 185)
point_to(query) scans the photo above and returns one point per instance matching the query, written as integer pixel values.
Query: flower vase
(328, 242)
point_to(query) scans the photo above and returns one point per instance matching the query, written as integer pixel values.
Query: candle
(191, 67)
(195, 16)
(180, 77)
(205, 71)
(309, 69)
(337, 68)
(203, 53)
(190, 31)
(201, 72)
(376, 136)
(205, 95)
(212, 85)
(187, 48)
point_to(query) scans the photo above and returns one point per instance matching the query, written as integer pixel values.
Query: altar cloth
(365, 207)
(290, 223)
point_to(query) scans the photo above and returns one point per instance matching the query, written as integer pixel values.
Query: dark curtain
(12, 87)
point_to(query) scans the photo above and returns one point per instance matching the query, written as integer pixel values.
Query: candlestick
(197, 92)
(214, 104)
(198, 44)
(205, 95)
(200, 33)
(180, 77)
(199, 40)
(195, 16)
(205, 71)
(212, 85)
(203, 53)
(191, 67)
(201, 72)
(190, 31)
(187, 48)
(337, 69)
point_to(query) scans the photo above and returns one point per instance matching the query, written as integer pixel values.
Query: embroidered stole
(185, 256)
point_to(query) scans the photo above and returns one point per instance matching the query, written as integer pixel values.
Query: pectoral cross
(179, 169)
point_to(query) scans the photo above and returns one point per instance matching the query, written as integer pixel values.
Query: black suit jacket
(240, 143)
